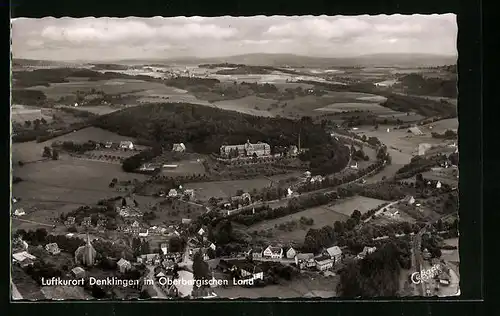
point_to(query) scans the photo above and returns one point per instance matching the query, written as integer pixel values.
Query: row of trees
(377, 275)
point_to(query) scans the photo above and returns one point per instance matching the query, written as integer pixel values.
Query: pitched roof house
(172, 193)
(291, 253)
(335, 253)
(123, 265)
(273, 252)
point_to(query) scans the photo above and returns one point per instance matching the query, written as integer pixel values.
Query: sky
(94, 39)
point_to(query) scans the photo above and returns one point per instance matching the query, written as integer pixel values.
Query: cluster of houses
(308, 177)
(236, 202)
(86, 222)
(179, 193)
(124, 145)
(326, 260)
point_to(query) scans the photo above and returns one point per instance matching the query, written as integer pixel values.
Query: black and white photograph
(258, 157)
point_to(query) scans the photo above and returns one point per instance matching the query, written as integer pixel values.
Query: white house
(354, 165)
(144, 233)
(180, 147)
(126, 145)
(212, 246)
(201, 231)
(335, 253)
(324, 263)
(123, 265)
(273, 252)
(19, 212)
(172, 193)
(291, 253)
(438, 185)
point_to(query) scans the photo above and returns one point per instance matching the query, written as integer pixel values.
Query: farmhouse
(246, 150)
(52, 248)
(180, 147)
(23, 258)
(324, 263)
(78, 272)
(273, 252)
(305, 260)
(335, 253)
(126, 145)
(123, 265)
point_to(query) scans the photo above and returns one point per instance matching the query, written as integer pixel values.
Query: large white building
(245, 150)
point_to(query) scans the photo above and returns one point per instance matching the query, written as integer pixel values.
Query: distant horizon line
(238, 55)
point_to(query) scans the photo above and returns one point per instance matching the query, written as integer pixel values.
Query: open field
(112, 86)
(224, 189)
(352, 106)
(322, 215)
(184, 168)
(31, 151)
(53, 187)
(250, 105)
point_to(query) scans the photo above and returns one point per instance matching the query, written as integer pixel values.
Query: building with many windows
(245, 150)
